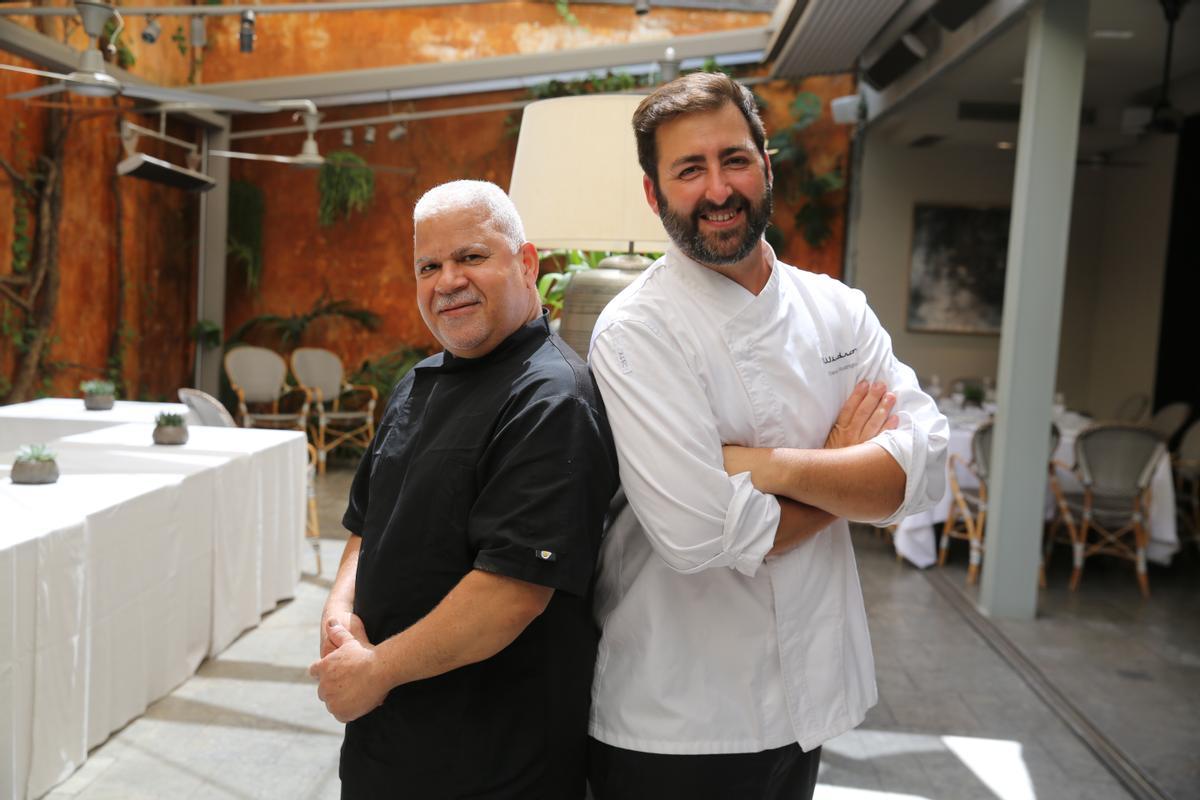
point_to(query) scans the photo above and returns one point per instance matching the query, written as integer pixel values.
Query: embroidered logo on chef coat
(546, 555)
(840, 361)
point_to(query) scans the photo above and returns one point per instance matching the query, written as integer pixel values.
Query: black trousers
(785, 773)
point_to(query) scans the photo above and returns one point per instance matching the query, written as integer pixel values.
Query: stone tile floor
(954, 721)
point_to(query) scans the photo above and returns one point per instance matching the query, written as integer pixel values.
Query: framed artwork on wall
(956, 275)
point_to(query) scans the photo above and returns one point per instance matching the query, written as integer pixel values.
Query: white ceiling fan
(309, 156)
(91, 79)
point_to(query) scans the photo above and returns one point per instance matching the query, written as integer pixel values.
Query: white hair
(482, 195)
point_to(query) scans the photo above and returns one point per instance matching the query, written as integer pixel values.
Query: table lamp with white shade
(577, 185)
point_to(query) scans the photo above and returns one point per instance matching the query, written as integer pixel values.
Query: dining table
(49, 418)
(914, 537)
(121, 577)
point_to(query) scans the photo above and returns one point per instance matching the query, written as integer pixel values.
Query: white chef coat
(708, 646)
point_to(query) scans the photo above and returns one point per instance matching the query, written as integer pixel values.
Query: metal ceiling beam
(953, 48)
(421, 75)
(46, 52)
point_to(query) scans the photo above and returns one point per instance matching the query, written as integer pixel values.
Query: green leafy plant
(346, 185)
(95, 387)
(180, 39)
(291, 329)
(124, 56)
(35, 453)
(384, 372)
(168, 420)
(206, 333)
(795, 179)
(564, 10)
(247, 207)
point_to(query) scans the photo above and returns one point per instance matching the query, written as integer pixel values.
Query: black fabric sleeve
(548, 474)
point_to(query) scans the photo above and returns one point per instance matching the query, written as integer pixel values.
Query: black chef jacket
(503, 463)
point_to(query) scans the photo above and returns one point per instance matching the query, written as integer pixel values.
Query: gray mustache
(456, 299)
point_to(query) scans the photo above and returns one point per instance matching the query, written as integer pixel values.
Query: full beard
(723, 247)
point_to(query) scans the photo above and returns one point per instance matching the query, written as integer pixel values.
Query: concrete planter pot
(170, 434)
(98, 402)
(33, 472)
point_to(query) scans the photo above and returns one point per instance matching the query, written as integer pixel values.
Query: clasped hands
(349, 675)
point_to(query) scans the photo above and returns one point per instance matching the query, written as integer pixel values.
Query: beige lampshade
(576, 181)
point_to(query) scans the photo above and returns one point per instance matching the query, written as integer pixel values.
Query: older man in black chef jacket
(457, 640)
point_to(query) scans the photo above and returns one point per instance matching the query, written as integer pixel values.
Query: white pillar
(1033, 295)
(210, 294)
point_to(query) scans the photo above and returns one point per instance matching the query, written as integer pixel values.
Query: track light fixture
(199, 34)
(348, 137)
(641, 7)
(668, 68)
(152, 31)
(397, 133)
(246, 32)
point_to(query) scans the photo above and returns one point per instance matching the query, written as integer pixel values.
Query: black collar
(524, 338)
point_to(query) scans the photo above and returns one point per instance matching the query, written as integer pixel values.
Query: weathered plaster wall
(159, 228)
(299, 44)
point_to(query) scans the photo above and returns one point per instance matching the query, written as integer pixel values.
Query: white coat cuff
(750, 524)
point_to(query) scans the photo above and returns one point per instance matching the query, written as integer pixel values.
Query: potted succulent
(34, 464)
(98, 395)
(170, 429)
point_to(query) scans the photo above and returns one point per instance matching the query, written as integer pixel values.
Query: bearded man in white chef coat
(756, 409)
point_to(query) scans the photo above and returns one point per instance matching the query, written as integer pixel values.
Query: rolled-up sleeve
(695, 515)
(919, 442)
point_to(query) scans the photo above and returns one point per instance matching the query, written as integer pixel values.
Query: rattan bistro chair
(342, 413)
(1168, 420)
(968, 505)
(1114, 464)
(1186, 466)
(258, 377)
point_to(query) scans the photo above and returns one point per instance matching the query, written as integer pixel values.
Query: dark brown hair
(699, 91)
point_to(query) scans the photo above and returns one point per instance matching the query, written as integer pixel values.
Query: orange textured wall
(159, 227)
(299, 44)
(828, 146)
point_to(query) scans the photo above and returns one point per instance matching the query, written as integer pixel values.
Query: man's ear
(767, 164)
(530, 263)
(648, 188)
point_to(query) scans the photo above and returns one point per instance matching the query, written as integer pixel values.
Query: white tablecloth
(50, 418)
(914, 537)
(122, 576)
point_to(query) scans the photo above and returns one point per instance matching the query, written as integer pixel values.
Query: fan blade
(40, 91)
(214, 101)
(254, 156)
(14, 68)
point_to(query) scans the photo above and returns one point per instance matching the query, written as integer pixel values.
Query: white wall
(1115, 262)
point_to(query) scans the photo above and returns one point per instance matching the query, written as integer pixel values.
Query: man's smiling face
(473, 290)
(714, 188)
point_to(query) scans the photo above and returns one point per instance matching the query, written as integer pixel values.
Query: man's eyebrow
(697, 158)
(466, 249)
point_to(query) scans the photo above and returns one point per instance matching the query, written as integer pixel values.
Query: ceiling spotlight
(246, 32)
(199, 35)
(152, 31)
(397, 133)
(348, 137)
(1005, 145)
(369, 134)
(641, 7)
(668, 68)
